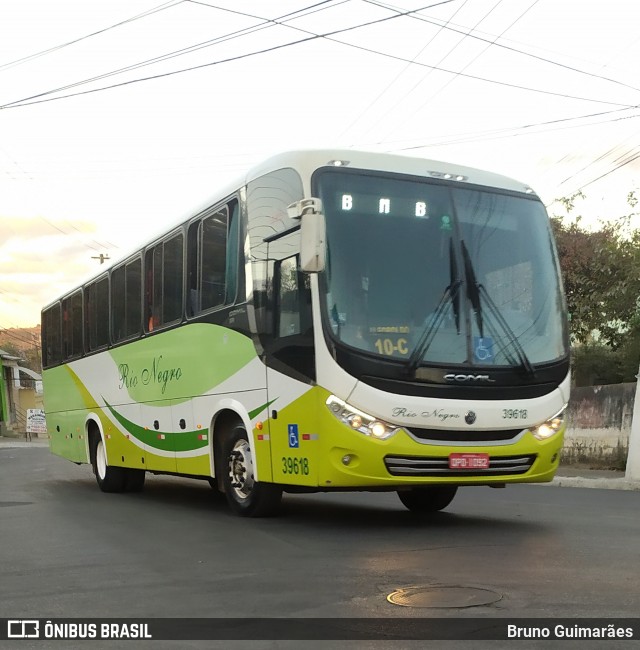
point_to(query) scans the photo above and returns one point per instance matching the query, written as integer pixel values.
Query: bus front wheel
(246, 496)
(428, 499)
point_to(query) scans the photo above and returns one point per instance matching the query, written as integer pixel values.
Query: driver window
(289, 298)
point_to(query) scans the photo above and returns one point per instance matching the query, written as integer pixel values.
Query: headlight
(550, 427)
(360, 421)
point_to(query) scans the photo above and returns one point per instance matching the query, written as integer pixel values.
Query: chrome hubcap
(241, 469)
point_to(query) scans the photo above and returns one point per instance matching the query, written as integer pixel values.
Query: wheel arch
(93, 429)
(230, 412)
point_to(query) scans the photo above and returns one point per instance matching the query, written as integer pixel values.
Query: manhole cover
(443, 597)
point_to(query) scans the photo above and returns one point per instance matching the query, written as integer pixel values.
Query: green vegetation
(601, 273)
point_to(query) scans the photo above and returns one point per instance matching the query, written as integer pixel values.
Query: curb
(597, 483)
(16, 443)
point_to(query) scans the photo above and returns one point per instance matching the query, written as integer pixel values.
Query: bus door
(291, 367)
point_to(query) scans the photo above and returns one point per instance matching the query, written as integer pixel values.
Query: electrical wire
(264, 24)
(475, 58)
(55, 48)
(328, 36)
(7, 332)
(404, 69)
(440, 61)
(611, 171)
(526, 129)
(464, 31)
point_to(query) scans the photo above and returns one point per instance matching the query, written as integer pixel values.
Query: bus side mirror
(312, 234)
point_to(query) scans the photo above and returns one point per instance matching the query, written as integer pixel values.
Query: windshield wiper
(451, 293)
(474, 292)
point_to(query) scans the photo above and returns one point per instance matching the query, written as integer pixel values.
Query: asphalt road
(68, 550)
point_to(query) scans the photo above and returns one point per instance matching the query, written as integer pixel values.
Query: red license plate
(468, 461)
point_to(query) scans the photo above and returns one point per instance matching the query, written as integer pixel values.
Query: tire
(109, 479)
(245, 496)
(134, 480)
(428, 499)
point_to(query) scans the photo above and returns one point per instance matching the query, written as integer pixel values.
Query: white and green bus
(335, 320)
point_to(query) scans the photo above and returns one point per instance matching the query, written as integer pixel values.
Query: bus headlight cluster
(360, 421)
(550, 427)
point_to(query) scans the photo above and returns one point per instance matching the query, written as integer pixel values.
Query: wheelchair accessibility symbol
(294, 439)
(483, 349)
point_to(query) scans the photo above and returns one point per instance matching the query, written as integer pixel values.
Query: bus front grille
(457, 436)
(439, 466)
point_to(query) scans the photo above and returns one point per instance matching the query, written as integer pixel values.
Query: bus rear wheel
(423, 500)
(246, 496)
(109, 478)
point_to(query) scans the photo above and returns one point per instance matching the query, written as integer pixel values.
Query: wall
(599, 424)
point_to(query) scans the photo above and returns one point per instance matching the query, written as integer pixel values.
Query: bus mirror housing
(312, 233)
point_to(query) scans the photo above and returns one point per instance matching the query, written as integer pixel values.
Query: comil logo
(473, 379)
(23, 629)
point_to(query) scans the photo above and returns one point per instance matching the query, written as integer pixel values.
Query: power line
(441, 60)
(327, 35)
(611, 171)
(55, 48)
(469, 33)
(525, 129)
(404, 69)
(53, 225)
(265, 23)
(4, 331)
(504, 31)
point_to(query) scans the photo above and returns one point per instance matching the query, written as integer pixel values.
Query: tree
(601, 273)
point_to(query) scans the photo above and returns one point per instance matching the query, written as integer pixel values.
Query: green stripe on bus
(182, 441)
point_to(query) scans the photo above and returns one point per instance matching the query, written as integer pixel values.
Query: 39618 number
(514, 414)
(293, 465)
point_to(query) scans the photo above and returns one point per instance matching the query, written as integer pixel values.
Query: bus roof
(306, 161)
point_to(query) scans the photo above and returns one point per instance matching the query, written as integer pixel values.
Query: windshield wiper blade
(451, 292)
(453, 279)
(474, 291)
(473, 287)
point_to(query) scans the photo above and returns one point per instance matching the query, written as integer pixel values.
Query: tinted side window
(213, 259)
(118, 304)
(126, 301)
(72, 326)
(97, 314)
(163, 274)
(51, 336)
(134, 298)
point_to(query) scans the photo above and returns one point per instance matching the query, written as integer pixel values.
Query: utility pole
(102, 257)
(632, 472)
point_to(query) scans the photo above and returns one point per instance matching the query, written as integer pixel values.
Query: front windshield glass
(429, 272)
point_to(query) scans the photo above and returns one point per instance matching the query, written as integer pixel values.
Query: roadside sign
(36, 422)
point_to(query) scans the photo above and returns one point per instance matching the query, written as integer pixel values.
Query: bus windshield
(434, 272)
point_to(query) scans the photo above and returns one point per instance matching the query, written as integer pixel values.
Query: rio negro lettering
(438, 414)
(154, 373)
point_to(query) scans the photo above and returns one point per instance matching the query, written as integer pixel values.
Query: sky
(117, 117)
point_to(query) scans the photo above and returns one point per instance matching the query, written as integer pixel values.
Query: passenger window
(97, 314)
(213, 260)
(126, 300)
(163, 272)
